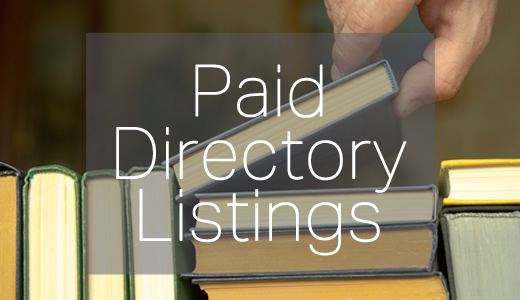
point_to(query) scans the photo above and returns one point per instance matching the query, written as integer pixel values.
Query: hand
(462, 31)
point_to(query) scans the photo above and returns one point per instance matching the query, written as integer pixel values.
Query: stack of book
(481, 227)
(338, 266)
(254, 239)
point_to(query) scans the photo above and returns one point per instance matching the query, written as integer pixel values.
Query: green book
(104, 236)
(52, 234)
(11, 184)
(156, 256)
(481, 245)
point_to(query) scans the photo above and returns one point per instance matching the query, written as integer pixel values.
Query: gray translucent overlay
(148, 81)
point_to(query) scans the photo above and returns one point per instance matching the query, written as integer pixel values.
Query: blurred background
(42, 70)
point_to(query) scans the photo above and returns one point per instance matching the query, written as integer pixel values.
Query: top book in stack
(481, 181)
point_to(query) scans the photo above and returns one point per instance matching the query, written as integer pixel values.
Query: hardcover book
(52, 234)
(348, 103)
(481, 245)
(403, 205)
(155, 265)
(104, 236)
(11, 185)
(407, 248)
(356, 287)
(401, 247)
(481, 181)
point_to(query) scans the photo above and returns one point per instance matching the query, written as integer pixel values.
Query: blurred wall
(42, 48)
(482, 120)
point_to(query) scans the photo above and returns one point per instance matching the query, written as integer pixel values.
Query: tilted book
(356, 107)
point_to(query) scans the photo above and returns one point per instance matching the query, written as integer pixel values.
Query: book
(481, 245)
(145, 256)
(397, 205)
(11, 184)
(407, 246)
(52, 234)
(368, 90)
(155, 265)
(362, 287)
(481, 181)
(104, 236)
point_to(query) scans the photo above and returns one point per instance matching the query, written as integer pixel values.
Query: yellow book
(11, 181)
(362, 288)
(481, 181)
